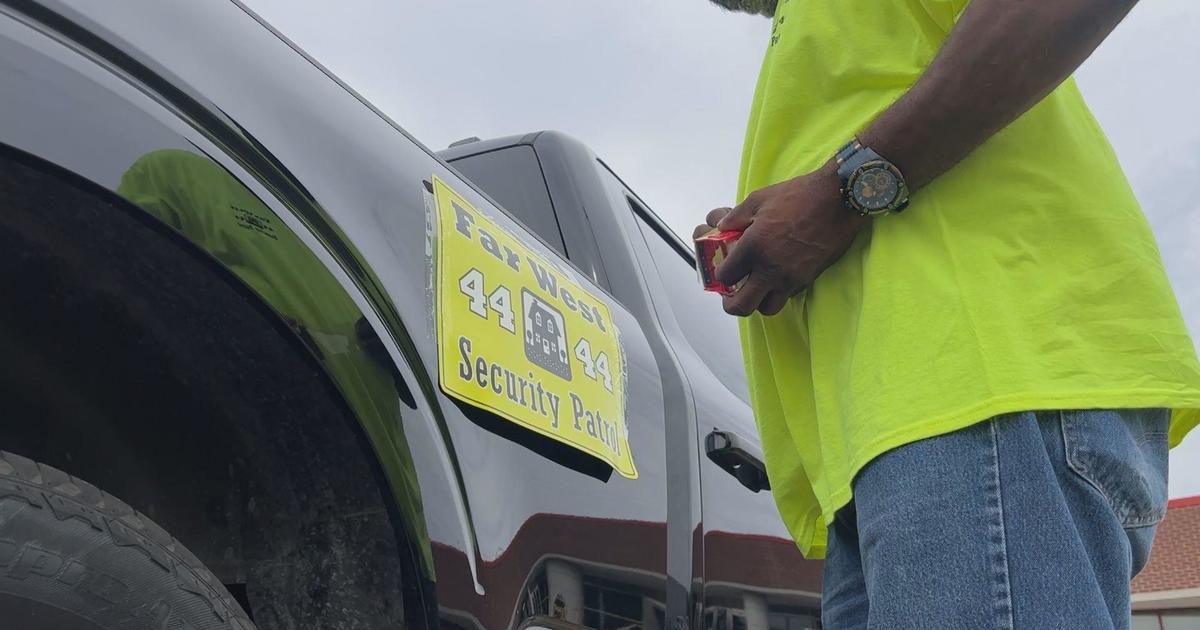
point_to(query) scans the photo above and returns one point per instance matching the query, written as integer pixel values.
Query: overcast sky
(661, 90)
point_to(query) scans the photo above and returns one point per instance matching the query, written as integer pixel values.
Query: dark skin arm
(1002, 58)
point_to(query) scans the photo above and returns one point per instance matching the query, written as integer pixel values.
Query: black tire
(73, 557)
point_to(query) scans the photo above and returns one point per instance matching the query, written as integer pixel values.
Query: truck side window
(513, 177)
(709, 330)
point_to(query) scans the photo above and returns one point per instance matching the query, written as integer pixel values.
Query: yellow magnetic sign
(520, 338)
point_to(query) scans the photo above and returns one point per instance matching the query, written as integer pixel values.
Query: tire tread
(43, 486)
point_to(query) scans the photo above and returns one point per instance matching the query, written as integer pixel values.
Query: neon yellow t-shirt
(1025, 278)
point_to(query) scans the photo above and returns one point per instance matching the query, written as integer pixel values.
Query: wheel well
(135, 362)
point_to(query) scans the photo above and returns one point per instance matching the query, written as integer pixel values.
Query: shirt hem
(814, 545)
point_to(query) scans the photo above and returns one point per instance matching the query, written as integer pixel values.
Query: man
(965, 406)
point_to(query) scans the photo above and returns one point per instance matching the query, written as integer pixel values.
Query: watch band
(850, 149)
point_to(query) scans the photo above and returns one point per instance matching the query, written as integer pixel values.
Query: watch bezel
(897, 203)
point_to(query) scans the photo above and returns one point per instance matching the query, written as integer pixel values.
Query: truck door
(752, 575)
(562, 536)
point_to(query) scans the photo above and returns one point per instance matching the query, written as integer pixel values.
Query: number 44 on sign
(583, 352)
(500, 299)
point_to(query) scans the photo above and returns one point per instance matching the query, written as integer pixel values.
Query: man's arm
(1001, 58)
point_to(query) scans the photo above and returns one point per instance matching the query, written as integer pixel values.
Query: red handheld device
(711, 249)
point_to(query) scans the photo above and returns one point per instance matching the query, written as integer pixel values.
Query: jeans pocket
(1123, 454)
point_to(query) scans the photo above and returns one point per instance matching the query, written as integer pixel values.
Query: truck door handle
(737, 457)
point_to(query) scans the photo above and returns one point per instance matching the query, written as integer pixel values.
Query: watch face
(875, 188)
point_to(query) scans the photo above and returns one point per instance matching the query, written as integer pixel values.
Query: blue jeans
(1032, 520)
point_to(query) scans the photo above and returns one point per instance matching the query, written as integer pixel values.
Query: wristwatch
(871, 185)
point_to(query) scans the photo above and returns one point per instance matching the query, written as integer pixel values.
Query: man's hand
(793, 231)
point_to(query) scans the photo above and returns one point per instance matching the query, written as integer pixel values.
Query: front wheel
(73, 557)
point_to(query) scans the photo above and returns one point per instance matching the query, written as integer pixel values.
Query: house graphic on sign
(545, 335)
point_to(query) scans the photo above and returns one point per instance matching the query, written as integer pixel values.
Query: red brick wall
(1175, 559)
